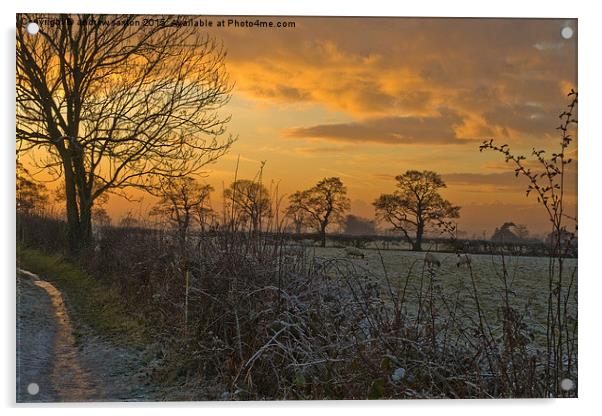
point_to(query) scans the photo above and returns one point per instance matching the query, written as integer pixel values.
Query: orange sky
(366, 99)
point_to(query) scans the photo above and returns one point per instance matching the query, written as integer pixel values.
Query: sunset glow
(366, 99)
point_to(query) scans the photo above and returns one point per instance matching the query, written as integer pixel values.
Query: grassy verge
(93, 303)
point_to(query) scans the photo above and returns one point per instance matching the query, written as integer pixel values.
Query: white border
(590, 149)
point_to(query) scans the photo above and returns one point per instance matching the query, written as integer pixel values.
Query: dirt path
(36, 327)
(65, 367)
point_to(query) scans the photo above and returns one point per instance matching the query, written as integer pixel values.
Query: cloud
(485, 70)
(478, 182)
(492, 182)
(388, 130)
(503, 181)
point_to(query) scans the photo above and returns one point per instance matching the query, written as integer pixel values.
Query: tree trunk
(85, 224)
(417, 245)
(73, 224)
(79, 212)
(323, 234)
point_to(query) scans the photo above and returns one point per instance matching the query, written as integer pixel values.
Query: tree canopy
(416, 205)
(322, 204)
(32, 197)
(118, 106)
(250, 202)
(180, 200)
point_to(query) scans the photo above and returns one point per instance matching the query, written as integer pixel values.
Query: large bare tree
(321, 204)
(416, 205)
(114, 106)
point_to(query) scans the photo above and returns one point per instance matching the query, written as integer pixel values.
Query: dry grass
(271, 320)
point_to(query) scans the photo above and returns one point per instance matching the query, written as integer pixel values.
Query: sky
(366, 99)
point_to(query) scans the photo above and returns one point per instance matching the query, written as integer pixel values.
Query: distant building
(566, 237)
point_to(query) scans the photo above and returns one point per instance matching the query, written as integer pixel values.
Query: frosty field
(527, 281)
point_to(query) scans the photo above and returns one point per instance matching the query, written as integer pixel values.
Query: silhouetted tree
(129, 221)
(506, 233)
(298, 217)
(32, 197)
(250, 201)
(324, 203)
(118, 105)
(521, 231)
(416, 205)
(205, 215)
(179, 200)
(100, 217)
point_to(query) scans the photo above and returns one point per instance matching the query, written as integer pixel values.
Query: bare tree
(205, 215)
(416, 205)
(129, 221)
(179, 202)
(298, 217)
(250, 201)
(100, 216)
(119, 105)
(522, 231)
(324, 203)
(32, 197)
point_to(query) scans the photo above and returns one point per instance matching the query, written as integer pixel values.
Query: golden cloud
(439, 129)
(497, 75)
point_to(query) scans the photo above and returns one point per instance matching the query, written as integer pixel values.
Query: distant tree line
(415, 208)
